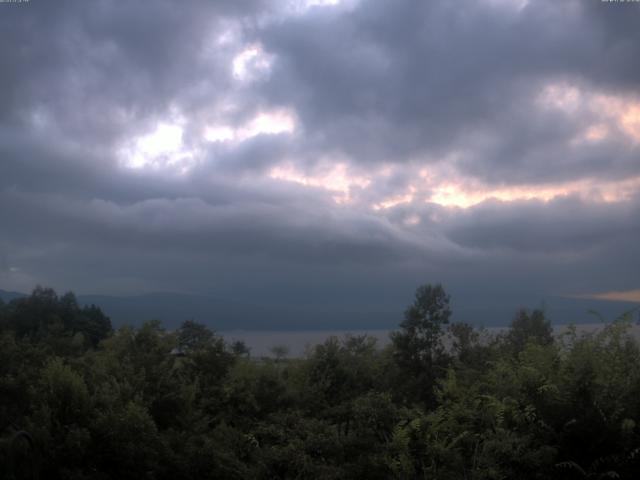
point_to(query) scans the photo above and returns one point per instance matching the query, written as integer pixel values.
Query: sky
(321, 153)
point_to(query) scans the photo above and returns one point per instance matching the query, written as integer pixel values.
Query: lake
(297, 341)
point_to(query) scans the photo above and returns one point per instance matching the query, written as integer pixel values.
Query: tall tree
(418, 349)
(529, 327)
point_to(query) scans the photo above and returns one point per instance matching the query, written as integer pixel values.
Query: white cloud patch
(272, 122)
(251, 64)
(160, 149)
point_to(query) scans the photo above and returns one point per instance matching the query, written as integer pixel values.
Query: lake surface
(298, 341)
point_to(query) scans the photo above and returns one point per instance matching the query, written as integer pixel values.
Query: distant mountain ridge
(221, 314)
(8, 296)
(173, 308)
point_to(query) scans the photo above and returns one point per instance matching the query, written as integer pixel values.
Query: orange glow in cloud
(452, 194)
(616, 296)
(411, 220)
(630, 121)
(625, 113)
(336, 180)
(396, 200)
(464, 196)
(595, 133)
(613, 110)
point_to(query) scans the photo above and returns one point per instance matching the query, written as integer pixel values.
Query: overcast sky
(321, 152)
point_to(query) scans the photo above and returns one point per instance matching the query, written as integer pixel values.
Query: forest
(81, 400)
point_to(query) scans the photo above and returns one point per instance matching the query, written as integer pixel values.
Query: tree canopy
(80, 400)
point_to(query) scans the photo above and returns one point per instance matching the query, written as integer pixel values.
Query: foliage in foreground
(80, 401)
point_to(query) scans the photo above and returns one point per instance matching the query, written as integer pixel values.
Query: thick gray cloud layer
(484, 97)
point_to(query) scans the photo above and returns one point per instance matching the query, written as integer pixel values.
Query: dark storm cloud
(4, 263)
(373, 84)
(254, 155)
(307, 232)
(567, 224)
(538, 154)
(103, 70)
(392, 81)
(616, 30)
